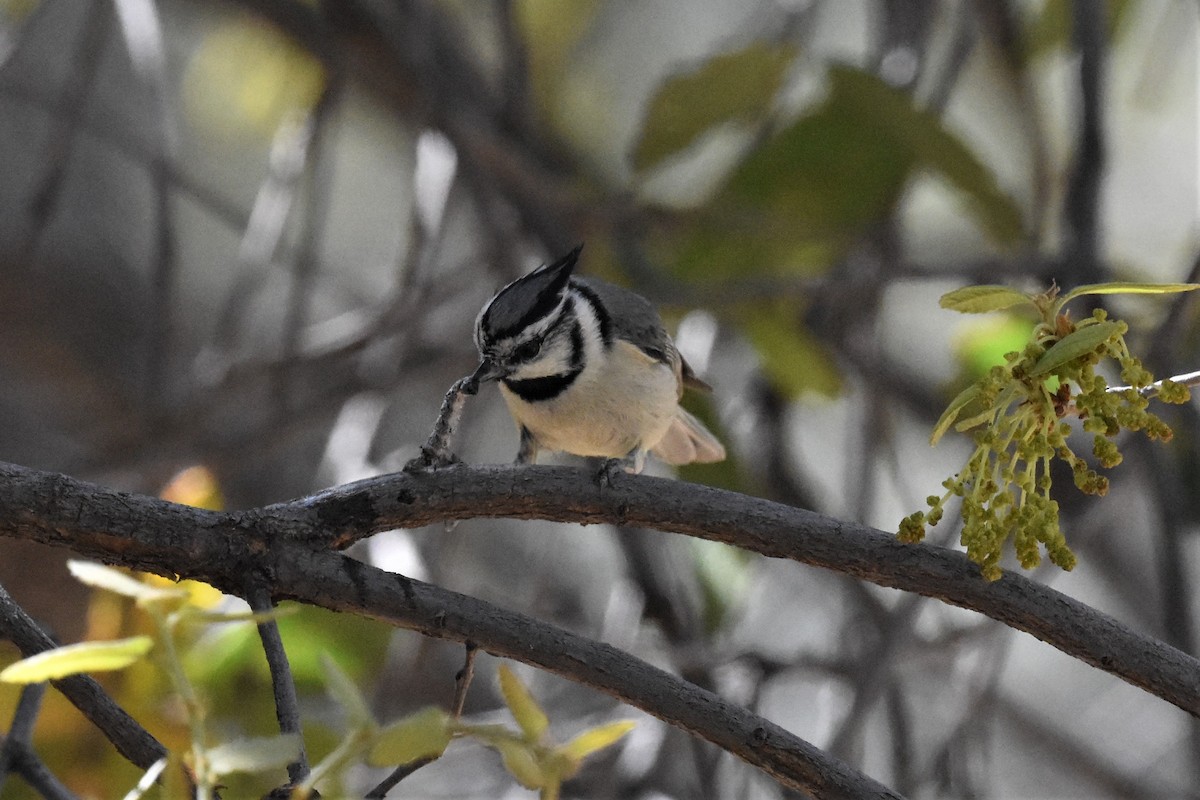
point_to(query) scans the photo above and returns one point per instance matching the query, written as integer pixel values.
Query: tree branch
(288, 542)
(131, 739)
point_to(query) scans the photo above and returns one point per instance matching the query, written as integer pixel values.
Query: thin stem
(1186, 379)
(287, 706)
(173, 665)
(462, 681)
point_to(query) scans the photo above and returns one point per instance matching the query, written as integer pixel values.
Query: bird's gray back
(633, 318)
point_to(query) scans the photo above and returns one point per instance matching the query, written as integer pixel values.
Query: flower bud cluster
(1020, 428)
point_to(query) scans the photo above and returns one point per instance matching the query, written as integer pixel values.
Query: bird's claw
(431, 459)
(610, 468)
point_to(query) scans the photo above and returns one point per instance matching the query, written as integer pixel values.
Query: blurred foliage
(18, 10)
(985, 342)
(1050, 28)
(732, 88)
(841, 166)
(247, 78)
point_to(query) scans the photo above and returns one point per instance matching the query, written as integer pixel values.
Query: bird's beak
(486, 371)
(489, 371)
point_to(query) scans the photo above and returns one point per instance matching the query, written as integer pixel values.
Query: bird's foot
(432, 459)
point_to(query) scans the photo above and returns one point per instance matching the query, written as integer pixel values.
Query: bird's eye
(527, 351)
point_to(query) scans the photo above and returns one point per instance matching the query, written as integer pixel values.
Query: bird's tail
(687, 441)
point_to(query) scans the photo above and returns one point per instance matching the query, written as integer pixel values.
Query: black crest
(528, 299)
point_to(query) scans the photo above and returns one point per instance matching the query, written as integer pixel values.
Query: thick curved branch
(772, 529)
(290, 542)
(343, 584)
(284, 543)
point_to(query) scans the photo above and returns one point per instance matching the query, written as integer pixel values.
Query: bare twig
(1082, 205)
(436, 451)
(1187, 379)
(287, 706)
(62, 138)
(130, 738)
(462, 681)
(16, 750)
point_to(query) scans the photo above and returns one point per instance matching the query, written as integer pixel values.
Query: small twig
(62, 139)
(287, 707)
(399, 774)
(1186, 379)
(16, 751)
(462, 682)
(21, 729)
(131, 739)
(436, 452)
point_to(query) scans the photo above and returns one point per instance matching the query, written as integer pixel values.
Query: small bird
(587, 368)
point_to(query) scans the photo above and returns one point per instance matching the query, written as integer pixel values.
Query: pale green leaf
(982, 299)
(257, 617)
(254, 754)
(987, 415)
(960, 401)
(423, 734)
(342, 689)
(524, 708)
(99, 576)
(1127, 287)
(1073, 345)
(73, 659)
(595, 739)
(520, 762)
(733, 87)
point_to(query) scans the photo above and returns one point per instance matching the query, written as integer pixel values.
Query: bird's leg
(528, 450)
(633, 463)
(435, 453)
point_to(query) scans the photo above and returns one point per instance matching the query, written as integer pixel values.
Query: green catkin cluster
(1021, 428)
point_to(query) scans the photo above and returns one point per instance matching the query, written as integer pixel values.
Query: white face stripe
(536, 330)
(593, 345)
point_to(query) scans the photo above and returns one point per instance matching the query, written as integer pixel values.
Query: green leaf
(834, 170)
(254, 754)
(596, 739)
(520, 762)
(342, 689)
(524, 708)
(98, 576)
(986, 415)
(960, 401)
(982, 299)
(73, 659)
(1128, 287)
(733, 87)
(423, 734)
(846, 163)
(939, 150)
(1075, 344)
